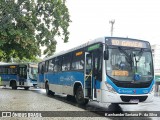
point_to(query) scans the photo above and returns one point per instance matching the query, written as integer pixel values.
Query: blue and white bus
(18, 75)
(108, 70)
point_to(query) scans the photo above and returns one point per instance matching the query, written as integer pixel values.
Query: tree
(26, 25)
(25, 60)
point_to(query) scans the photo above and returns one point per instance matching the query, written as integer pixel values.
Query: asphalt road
(25, 102)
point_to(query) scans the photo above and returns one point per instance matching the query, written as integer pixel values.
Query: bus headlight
(110, 88)
(152, 89)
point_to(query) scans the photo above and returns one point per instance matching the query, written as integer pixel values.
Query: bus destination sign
(128, 43)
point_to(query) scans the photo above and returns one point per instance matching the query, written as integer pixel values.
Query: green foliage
(25, 60)
(1, 55)
(26, 25)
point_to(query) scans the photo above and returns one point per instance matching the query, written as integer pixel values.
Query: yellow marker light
(79, 53)
(12, 66)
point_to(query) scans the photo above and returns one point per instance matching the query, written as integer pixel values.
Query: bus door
(22, 74)
(97, 73)
(88, 75)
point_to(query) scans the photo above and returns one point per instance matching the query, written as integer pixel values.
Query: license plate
(134, 101)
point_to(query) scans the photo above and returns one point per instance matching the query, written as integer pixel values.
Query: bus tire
(26, 88)
(80, 96)
(14, 86)
(114, 107)
(70, 98)
(48, 92)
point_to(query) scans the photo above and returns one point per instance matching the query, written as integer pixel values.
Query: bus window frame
(77, 59)
(46, 65)
(57, 64)
(68, 60)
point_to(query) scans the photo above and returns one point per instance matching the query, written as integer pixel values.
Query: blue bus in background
(18, 75)
(108, 70)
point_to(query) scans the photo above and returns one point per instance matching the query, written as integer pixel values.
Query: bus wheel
(48, 92)
(80, 97)
(14, 86)
(114, 107)
(70, 98)
(26, 88)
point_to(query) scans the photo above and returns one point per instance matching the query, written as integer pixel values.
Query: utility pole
(112, 23)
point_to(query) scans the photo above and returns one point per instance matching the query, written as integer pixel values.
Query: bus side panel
(54, 84)
(5, 79)
(41, 80)
(98, 90)
(69, 79)
(63, 82)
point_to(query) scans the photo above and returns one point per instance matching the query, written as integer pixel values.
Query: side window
(12, 70)
(54, 65)
(50, 68)
(46, 66)
(78, 60)
(39, 67)
(78, 65)
(66, 62)
(97, 61)
(6, 70)
(97, 64)
(42, 69)
(58, 64)
(1, 70)
(9, 70)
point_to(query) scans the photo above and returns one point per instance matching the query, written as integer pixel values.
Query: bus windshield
(124, 63)
(33, 73)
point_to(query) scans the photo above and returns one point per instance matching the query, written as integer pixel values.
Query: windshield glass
(33, 73)
(129, 64)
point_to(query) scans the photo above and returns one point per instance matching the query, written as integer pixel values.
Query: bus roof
(101, 39)
(6, 64)
(3, 64)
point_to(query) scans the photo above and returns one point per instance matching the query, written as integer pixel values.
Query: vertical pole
(112, 23)
(0, 80)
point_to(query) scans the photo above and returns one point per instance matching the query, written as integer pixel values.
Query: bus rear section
(16, 75)
(8, 75)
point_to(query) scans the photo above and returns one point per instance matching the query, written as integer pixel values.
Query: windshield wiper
(139, 55)
(130, 61)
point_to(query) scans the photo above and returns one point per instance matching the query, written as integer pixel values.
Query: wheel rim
(80, 96)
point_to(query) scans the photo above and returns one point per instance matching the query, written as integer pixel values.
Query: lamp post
(112, 23)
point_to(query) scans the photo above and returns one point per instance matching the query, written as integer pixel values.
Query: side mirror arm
(106, 55)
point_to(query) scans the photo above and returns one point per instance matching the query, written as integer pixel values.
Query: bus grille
(128, 98)
(126, 84)
(133, 85)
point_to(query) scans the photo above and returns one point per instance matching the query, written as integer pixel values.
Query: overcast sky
(133, 18)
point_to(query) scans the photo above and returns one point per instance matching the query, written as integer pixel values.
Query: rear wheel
(47, 88)
(70, 98)
(26, 88)
(48, 92)
(14, 85)
(80, 97)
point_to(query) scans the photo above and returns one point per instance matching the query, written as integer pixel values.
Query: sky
(138, 19)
